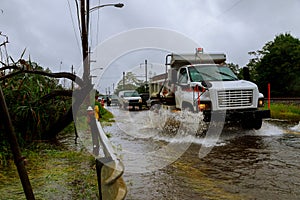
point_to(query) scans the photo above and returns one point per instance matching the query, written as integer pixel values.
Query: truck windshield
(200, 73)
(131, 94)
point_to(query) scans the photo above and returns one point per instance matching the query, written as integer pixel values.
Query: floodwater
(239, 164)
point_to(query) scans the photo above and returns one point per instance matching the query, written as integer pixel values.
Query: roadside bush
(32, 113)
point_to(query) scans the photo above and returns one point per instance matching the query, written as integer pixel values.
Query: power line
(73, 24)
(230, 8)
(78, 15)
(223, 12)
(98, 20)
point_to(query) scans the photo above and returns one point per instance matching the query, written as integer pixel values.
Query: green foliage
(143, 89)
(236, 70)
(31, 114)
(278, 63)
(285, 111)
(131, 83)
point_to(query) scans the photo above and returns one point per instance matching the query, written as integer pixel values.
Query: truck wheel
(155, 107)
(257, 123)
(187, 107)
(252, 124)
(247, 125)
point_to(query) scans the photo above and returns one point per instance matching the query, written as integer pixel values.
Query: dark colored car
(145, 97)
(114, 100)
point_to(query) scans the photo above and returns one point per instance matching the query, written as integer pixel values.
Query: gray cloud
(232, 26)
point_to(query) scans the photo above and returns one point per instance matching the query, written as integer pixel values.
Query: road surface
(164, 164)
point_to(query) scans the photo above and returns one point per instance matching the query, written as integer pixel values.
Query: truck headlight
(204, 106)
(140, 100)
(261, 102)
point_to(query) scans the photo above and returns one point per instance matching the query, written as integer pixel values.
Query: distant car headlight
(140, 100)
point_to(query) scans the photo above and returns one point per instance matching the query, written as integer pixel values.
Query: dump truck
(202, 82)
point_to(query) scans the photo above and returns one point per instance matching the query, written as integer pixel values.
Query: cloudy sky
(49, 31)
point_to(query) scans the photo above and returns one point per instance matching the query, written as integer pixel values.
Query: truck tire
(155, 107)
(247, 125)
(187, 107)
(257, 123)
(252, 124)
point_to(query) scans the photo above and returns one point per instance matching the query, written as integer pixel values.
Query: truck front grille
(235, 98)
(134, 101)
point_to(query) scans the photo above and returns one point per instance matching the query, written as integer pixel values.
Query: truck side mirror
(246, 73)
(206, 84)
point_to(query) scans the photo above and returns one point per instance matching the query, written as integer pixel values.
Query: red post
(269, 96)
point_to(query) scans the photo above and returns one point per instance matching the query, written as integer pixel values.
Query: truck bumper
(235, 115)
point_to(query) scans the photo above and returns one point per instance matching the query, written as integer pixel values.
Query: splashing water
(296, 128)
(177, 123)
(181, 127)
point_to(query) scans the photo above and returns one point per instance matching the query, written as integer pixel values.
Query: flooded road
(263, 164)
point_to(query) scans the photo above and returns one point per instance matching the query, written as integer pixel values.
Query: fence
(294, 100)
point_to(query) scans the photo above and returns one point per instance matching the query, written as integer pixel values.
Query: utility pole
(146, 70)
(72, 71)
(84, 13)
(123, 80)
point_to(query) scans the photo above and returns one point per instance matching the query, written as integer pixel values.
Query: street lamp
(118, 5)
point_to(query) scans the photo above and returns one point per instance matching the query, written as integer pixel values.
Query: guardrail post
(109, 171)
(99, 165)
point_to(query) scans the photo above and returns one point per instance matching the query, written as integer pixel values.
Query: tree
(236, 69)
(131, 83)
(278, 63)
(40, 108)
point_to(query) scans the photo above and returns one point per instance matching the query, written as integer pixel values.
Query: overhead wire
(223, 12)
(73, 24)
(98, 21)
(78, 16)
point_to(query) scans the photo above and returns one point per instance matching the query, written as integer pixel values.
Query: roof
(159, 77)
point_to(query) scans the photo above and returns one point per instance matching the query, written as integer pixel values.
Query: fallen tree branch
(67, 75)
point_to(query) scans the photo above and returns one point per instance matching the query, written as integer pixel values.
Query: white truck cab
(203, 83)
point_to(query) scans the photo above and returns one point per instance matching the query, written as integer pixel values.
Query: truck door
(182, 85)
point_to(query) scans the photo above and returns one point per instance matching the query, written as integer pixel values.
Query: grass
(107, 118)
(284, 111)
(54, 172)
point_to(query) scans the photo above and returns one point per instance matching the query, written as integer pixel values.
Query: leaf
(12, 59)
(23, 53)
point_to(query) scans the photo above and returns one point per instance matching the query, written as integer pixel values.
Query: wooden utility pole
(12, 138)
(84, 13)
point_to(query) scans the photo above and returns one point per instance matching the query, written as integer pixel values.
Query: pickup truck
(130, 98)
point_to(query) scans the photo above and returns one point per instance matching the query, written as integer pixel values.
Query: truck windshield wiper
(210, 76)
(228, 75)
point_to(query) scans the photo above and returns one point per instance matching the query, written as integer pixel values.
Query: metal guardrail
(109, 168)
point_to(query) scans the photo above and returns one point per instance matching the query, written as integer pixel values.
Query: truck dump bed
(179, 60)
